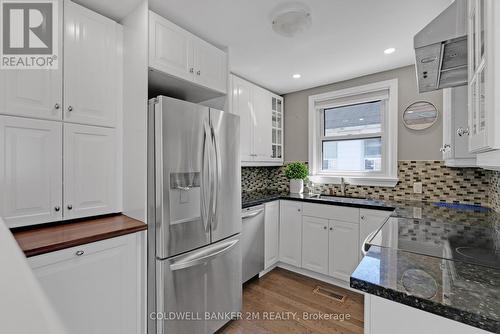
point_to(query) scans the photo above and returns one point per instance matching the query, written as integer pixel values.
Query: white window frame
(388, 177)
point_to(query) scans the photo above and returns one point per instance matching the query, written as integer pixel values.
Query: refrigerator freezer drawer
(204, 283)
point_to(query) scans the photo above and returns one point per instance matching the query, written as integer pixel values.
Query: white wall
(412, 145)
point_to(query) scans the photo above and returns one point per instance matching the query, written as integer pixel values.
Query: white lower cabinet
(90, 164)
(30, 171)
(95, 288)
(290, 241)
(386, 316)
(343, 249)
(271, 233)
(315, 244)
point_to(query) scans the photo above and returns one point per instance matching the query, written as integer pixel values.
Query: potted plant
(296, 172)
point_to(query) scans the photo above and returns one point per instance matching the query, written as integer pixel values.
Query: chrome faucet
(342, 186)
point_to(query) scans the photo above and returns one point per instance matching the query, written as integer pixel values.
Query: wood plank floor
(282, 291)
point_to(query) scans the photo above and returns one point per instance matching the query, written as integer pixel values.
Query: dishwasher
(252, 241)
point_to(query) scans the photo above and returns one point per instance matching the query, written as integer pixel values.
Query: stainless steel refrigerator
(194, 222)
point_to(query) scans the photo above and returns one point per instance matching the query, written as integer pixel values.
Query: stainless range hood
(441, 50)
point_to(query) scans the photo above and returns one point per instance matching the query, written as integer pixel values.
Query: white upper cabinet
(242, 106)
(91, 67)
(484, 60)
(90, 164)
(455, 129)
(30, 171)
(170, 48)
(33, 93)
(177, 52)
(261, 123)
(210, 66)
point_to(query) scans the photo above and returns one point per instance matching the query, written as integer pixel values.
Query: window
(353, 134)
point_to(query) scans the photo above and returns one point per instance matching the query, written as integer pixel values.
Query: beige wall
(412, 145)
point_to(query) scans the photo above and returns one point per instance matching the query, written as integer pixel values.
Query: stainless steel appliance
(441, 50)
(194, 222)
(252, 241)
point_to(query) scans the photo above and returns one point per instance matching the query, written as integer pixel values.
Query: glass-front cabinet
(277, 127)
(483, 38)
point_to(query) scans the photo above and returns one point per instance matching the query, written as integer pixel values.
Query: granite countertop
(437, 257)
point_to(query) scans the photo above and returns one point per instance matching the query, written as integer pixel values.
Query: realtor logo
(29, 34)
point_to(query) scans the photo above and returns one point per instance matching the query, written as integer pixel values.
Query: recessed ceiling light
(389, 51)
(296, 76)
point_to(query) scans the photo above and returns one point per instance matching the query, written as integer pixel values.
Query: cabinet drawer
(331, 212)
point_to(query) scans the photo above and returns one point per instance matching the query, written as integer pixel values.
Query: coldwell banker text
(29, 34)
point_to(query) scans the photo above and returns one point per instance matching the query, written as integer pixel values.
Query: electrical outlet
(417, 187)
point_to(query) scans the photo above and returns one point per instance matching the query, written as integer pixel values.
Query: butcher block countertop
(40, 239)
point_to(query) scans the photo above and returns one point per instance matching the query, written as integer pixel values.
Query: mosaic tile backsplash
(440, 183)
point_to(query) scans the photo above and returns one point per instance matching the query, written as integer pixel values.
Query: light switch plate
(417, 187)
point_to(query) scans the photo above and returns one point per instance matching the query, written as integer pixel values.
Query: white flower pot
(296, 186)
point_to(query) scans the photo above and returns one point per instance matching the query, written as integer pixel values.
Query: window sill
(357, 180)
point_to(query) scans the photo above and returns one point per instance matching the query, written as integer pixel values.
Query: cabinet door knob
(198, 72)
(70, 206)
(362, 217)
(79, 253)
(56, 106)
(462, 132)
(331, 228)
(191, 70)
(298, 210)
(70, 108)
(445, 148)
(57, 208)
(324, 227)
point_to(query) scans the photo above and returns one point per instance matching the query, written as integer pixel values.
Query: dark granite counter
(253, 198)
(453, 289)
(437, 257)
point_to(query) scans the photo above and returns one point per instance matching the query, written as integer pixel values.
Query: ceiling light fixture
(389, 51)
(296, 76)
(291, 19)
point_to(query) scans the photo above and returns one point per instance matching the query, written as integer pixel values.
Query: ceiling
(114, 9)
(346, 40)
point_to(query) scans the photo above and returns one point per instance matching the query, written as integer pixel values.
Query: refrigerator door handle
(205, 178)
(217, 178)
(202, 256)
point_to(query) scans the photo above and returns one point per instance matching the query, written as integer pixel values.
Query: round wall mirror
(420, 115)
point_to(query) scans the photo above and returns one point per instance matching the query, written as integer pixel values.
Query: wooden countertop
(42, 239)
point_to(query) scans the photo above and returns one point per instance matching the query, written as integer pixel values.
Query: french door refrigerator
(194, 221)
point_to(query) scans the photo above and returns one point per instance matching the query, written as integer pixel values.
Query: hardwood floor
(270, 298)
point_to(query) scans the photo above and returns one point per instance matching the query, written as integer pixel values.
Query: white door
(30, 171)
(91, 87)
(262, 124)
(271, 233)
(210, 66)
(170, 48)
(343, 249)
(291, 233)
(370, 221)
(33, 93)
(90, 171)
(93, 287)
(243, 106)
(315, 244)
